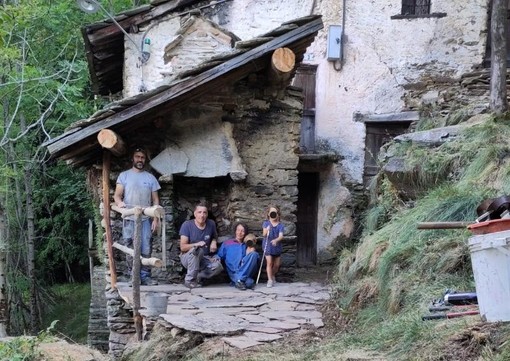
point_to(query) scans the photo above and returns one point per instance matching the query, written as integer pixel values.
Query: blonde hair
(250, 237)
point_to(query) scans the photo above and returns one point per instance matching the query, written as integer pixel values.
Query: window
(415, 7)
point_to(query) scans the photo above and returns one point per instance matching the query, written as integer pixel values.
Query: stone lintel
(406, 116)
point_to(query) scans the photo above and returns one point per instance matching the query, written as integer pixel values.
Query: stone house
(373, 69)
(365, 78)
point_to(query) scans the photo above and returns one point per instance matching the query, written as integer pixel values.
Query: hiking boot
(192, 285)
(148, 282)
(240, 285)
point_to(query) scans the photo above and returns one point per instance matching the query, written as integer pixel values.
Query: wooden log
(110, 140)
(92, 250)
(163, 242)
(283, 61)
(443, 225)
(136, 279)
(152, 262)
(153, 211)
(106, 217)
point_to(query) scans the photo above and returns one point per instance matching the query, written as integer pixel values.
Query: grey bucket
(156, 303)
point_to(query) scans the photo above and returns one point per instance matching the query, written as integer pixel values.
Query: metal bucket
(156, 303)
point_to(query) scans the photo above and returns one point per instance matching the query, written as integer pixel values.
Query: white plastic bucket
(156, 303)
(490, 259)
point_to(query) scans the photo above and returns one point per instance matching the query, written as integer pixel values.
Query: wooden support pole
(152, 261)
(91, 247)
(106, 217)
(163, 241)
(136, 280)
(110, 140)
(443, 225)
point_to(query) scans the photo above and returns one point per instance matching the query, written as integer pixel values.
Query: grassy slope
(387, 283)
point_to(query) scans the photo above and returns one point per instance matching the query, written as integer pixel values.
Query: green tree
(498, 34)
(43, 88)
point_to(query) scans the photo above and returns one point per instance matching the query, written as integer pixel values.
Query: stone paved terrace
(244, 318)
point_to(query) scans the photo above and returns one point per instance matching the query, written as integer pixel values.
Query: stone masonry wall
(266, 128)
(98, 333)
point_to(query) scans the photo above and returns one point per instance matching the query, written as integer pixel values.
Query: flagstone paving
(244, 318)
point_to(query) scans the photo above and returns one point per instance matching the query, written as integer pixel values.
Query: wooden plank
(389, 117)
(187, 85)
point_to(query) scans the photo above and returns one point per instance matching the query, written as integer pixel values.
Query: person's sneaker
(192, 285)
(240, 285)
(269, 283)
(149, 282)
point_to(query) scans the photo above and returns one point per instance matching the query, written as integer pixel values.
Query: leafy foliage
(64, 205)
(69, 311)
(44, 87)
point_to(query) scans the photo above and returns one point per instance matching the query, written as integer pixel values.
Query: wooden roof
(104, 42)
(79, 145)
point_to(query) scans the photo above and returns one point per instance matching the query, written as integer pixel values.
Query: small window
(415, 7)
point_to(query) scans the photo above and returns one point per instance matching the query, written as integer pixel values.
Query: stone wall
(98, 333)
(266, 130)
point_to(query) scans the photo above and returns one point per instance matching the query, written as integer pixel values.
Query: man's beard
(139, 165)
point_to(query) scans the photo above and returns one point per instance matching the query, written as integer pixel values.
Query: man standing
(197, 243)
(138, 188)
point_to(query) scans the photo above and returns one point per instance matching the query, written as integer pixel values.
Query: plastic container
(490, 259)
(156, 303)
(495, 225)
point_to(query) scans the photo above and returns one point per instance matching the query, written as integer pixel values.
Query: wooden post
(135, 277)
(106, 216)
(112, 141)
(91, 247)
(163, 241)
(443, 225)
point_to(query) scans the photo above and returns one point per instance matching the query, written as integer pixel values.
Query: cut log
(110, 140)
(283, 61)
(152, 262)
(153, 211)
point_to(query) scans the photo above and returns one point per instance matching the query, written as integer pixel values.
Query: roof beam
(190, 85)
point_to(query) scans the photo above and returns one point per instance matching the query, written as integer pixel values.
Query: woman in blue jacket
(241, 265)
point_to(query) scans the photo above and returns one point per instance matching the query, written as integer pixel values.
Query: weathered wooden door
(378, 134)
(306, 229)
(305, 79)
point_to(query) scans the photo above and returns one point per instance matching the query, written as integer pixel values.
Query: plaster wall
(140, 76)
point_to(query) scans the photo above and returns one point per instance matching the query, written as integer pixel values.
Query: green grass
(71, 309)
(388, 280)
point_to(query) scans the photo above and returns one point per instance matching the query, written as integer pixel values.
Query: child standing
(272, 230)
